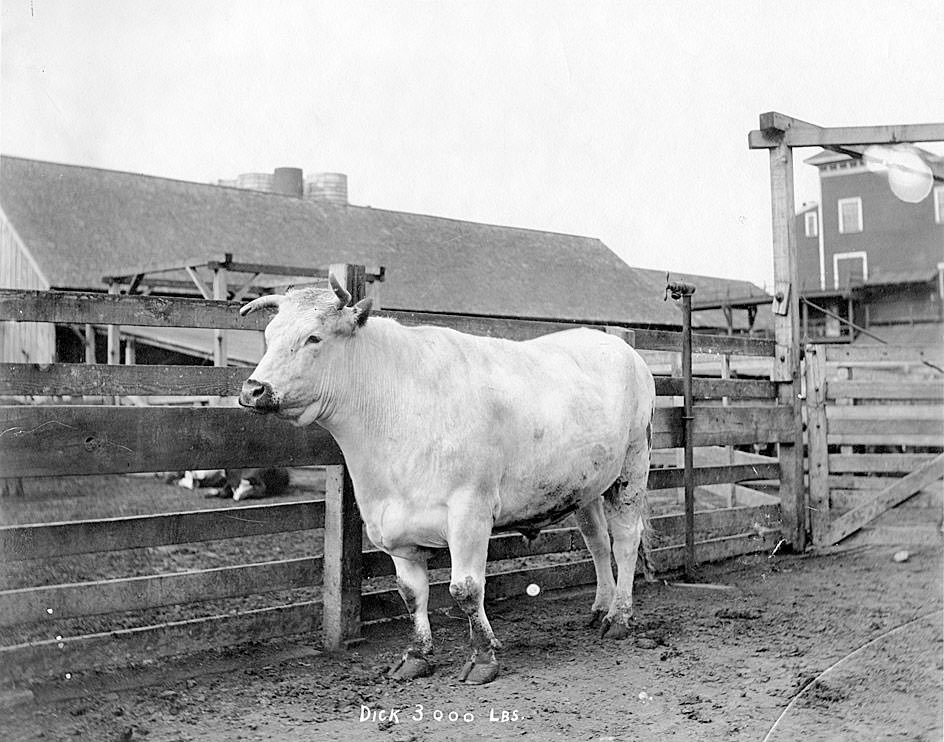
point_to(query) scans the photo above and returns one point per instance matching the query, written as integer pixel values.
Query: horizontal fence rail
(152, 311)
(54, 440)
(78, 379)
(63, 440)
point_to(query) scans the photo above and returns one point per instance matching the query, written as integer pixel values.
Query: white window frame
(939, 204)
(843, 228)
(811, 218)
(852, 255)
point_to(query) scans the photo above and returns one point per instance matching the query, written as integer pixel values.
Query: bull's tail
(646, 542)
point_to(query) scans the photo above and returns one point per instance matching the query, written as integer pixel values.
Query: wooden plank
(870, 426)
(114, 309)
(101, 380)
(702, 388)
(124, 647)
(40, 541)
(886, 412)
(885, 439)
(705, 343)
(73, 440)
(527, 329)
(708, 475)
(899, 389)
(891, 463)
(818, 450)
(801, 134)
(343, 528)
(786, 360)
(898, 492)
(342, 560)
(853, 481)
(893, 354)
(57, 602)
(723, 426)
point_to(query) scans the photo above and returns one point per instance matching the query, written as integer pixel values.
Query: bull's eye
(312, 340)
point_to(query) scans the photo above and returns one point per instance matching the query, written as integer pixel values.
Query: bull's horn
(339, 291)
(269, 300)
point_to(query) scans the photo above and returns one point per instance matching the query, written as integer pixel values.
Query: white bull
(450, 437)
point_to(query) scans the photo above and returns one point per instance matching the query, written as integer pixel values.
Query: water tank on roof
(328, 188)
(288, 181)
(255, 181)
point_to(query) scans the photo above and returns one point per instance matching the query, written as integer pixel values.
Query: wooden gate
(875, 423)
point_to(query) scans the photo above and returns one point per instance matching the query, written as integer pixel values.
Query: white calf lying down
(239, 484)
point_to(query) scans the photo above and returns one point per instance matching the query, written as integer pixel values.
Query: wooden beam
(343, 544)
(23, 542)
(886, 499)
(911, 390)
(95, 598)
(33, 379)
(724, 426)
(343, 527)
(705, 388)
(76, 440)
(776, 128)
(817, 435)
(142, 311)
(880, 463)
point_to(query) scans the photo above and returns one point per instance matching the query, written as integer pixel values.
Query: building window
(811, 224)
(939, 204)
(850, 215)
(850, 269)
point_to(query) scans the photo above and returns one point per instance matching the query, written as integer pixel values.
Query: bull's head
(306, 345)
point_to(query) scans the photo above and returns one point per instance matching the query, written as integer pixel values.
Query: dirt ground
(704, 663)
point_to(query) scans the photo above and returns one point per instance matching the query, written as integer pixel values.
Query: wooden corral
(60, 437)
(876, 436)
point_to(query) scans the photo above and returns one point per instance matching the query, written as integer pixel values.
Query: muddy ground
(704, 663)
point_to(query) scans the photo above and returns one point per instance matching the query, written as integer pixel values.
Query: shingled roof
(80, 223)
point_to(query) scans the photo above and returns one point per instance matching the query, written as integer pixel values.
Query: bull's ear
(362, 311)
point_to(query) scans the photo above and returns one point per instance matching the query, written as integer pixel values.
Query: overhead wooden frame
(776, 129)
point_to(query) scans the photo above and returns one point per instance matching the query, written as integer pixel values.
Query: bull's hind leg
(470, 527)
(413, 583)
(592, 524)
(628, 517)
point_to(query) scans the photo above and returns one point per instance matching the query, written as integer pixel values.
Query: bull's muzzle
(258, 396)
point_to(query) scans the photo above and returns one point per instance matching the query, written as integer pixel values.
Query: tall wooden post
(817, 432)
(786, 368)
(343, 541)
(220, 292)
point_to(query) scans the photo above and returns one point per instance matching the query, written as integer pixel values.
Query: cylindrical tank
(255, 181)
(288, 181)
(328, 188)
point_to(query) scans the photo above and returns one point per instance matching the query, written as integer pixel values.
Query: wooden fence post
(343, 541)
(786, 368)
(817, 431)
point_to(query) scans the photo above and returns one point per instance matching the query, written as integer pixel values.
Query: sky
(625, 121)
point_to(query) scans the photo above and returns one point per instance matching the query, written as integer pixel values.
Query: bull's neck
(362, 395)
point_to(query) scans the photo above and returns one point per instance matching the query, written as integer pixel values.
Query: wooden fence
(57, 439)
(876, 432)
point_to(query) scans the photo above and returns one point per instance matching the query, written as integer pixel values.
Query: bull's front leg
(413, 583)
(470, 526)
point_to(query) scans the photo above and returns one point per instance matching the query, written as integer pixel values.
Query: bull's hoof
(610, 629)
(479, 673)
(410, 667)
(596, 618)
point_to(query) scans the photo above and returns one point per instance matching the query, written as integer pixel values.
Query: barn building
(65, 227)
(869, 257)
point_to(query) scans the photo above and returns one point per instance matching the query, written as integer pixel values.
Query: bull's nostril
(257, 390)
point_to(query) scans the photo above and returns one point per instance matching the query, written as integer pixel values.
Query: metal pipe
(685, 291)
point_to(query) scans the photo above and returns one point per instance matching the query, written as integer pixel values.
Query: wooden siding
(24, 342)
